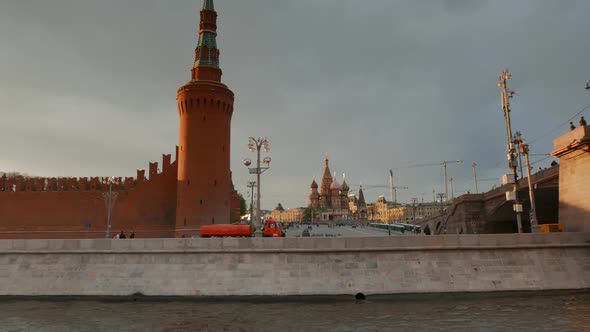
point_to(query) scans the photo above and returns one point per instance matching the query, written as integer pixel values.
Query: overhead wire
(560, 125)
(551, 130)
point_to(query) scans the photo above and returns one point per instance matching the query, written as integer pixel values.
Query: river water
(562, 311)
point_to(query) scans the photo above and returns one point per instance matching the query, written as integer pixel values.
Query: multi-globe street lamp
(255, 145)
(109, 199)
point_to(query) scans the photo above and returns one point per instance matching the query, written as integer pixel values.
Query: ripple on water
(484, 312)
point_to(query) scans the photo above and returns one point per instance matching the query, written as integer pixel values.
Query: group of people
(123, 236)
(582, 123)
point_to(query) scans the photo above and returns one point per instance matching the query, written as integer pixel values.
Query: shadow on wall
(574, 217)
(503, 219)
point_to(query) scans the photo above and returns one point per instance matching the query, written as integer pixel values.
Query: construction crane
(444, 164)
(393, 189)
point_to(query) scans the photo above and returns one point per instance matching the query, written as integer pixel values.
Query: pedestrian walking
(122, 235)
(132, 235)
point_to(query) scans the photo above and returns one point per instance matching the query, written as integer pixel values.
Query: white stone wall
(295, 266)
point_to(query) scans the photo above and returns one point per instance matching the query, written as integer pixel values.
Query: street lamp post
(255, 144)
(414, 212)
(251, 185)
(443, 222)
(512, 163)
(444, 163)
(109, 198)
(4, 177)
(474, 176)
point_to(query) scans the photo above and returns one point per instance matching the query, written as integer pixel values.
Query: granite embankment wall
(295, 266)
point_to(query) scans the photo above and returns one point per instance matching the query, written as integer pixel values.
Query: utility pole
(506, 95)
(474, 176)
(452, 190)
(518, 141)
(524, 149)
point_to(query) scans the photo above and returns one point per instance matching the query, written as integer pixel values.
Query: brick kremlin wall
(64, 207)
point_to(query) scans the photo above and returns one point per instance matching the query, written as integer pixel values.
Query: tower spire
(208, 5)
(206, 66)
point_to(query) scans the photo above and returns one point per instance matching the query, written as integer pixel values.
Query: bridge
(490, 212)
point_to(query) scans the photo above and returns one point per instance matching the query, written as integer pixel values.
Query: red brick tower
(205, 106)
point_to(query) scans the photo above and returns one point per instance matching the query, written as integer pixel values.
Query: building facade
(388, 212)
(288, 216)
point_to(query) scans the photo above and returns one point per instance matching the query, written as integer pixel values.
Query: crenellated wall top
(19, 183)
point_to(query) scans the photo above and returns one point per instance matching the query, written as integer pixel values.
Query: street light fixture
(109, 198)
(474, 165)
(414, 200)
(255, 145)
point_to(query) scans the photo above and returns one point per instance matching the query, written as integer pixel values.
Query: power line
(540, 160)
(560, 125)
(550, 131)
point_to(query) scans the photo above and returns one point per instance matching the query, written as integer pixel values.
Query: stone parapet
(294, 266)
(394, 243)
(575, 139)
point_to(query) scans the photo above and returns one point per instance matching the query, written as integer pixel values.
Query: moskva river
(563, 311)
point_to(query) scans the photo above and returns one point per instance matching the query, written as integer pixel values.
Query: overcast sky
(88, 87)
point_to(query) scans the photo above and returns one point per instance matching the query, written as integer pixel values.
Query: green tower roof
(208, 5)
(207, 51)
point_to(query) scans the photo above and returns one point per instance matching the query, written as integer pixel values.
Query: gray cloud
(88, 87)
